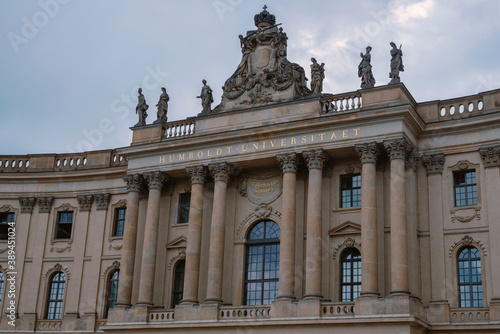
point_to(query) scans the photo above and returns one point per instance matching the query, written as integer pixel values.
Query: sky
(70, 69)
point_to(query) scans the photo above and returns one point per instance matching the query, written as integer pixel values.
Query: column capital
(45, 203)
(197, 174)
(134, 182)
(412, 159)
(221, 172)
(102, 201)
(368, 152)
(490, 156)
(315, 159)
(398, 148)
(288, 162)
(27, 204)
(85, 202)
(433, 162)
(155, 180)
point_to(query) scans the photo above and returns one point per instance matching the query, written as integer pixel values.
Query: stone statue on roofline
(317, 76)
(141, 109)
(162, 107)
(206, 98)
(365, 70)
(264, 74)
(396, 63)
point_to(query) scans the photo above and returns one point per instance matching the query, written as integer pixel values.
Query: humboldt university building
(282, 209)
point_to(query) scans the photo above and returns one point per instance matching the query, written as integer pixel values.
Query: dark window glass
(470, 284)
(119, 222)
(178, 282)
(64, 225)
(350, 191)
(2, 281)
(112, 291)
(184, 203)
(56, 296)
(351, 274)
(5, 219)
(262, 264)
(465, 188)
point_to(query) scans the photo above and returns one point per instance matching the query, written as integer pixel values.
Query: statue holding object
(317, 76)
(206, 98)
(365, 70)
(396, 63)
(141, 109)
(162, 107)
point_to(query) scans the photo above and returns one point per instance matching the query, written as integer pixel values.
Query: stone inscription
(263, 145)
(263, 191)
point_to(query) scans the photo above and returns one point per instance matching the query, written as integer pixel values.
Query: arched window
(262, 263)
(470, 283)
(112, 292)
(56, 296)
(2, 281)
(351, 274)
(178, 290)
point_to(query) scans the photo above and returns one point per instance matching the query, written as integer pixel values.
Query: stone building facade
(361, 212)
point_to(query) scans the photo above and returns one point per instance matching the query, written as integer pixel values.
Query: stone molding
(155, 180)
(288, 162)
(490, 156)
(27, 204)
(180, 256)
(114, 266)
(368, 152)
(102, 201)
(197, 174)
(398, 148)
(221, 172)
(134, 182)
(471, 213)
(57, 267)
(44, 204)
(315, 159)
(433, 163)
(254, 217)
(465, 241)
(464, 165)
(348, 243)
(85, 202)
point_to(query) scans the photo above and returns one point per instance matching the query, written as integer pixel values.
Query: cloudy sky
(70, 69)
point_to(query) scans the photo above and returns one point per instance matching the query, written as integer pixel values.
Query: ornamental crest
(263, 191)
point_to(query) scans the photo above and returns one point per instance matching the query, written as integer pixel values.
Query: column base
(284, 308)
(213, 301)
(309, 307)
(313, 296)
(370, 293)
(286, 297)
(27, 322)
(189, 302)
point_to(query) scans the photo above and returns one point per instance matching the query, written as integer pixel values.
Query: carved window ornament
(62, 245)
(180, 256)
(115, 241)
(348, 243)
(465, 241)
(267, 212)
(114, 266)
(465, 213)
(56, 268)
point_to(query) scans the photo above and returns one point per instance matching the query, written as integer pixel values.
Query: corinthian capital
(433, 162)
(45, 203)
(315, 159)
(367, 152)
(155, 180)
(397, 148)
(288, 162)
(102, 201)
(490, 156)
(85, 202)
(27, 204)
(197, 174)
(221, 171)
(134, 182)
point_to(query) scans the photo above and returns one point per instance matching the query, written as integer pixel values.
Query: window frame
(181, 207)
(6, 223)
(117, 220)
(469, 199)
(351, 190)
(59, 222)
(109, 284)
(59, 301)
(180, 291)
(470, 284)
(351, 284)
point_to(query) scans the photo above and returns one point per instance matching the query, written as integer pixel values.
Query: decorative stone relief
(348, 243)
(102, 201)
(464, 165)
(288, 162)
(433, 162)
(53, 247)
(466, 240)
(197, 174)
(368, 152)
(315, 159)
(263, 191)
(180, 256)
(45, 203)
(85, 202)
(398, 148)
(27, 204)
(114, 266)
(252, 218)
(57, 267)
(412, 159)
(135, 182)
(262, 211)
(155, 180)
(490, 156)
(221, 172)
(465, 215)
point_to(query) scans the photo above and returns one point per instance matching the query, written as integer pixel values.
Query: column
(197, 175)
(288, 164)
(397, 151)
(134, 185)
(155, 181)
(315, 161)
(368, 154)
(220, 173)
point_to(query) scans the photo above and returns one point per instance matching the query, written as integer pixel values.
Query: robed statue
(396, 63)
(317, 76)
(162, 107)
(365, 69)
(206, 98)
(141, 109)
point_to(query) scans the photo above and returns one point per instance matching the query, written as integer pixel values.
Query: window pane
(469, 277)
(64, 225)
(350, 191)
(184, 205)
(119, 222)
(56, 296)
(351, 274)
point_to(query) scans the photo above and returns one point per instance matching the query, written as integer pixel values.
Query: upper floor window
(350, 191)
(5, 219)
(64, 225)
(178, 290)
(183, 208)
(351, 274)
(112, 292)
(470, 283)
(2, 282)
(119, 223)
(465, 188)
(56, 296)
(262, 264)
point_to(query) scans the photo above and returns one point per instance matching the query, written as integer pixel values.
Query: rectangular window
(350, 191)
(183, 213)
(5, 219)
(64, 225)
(465, 188)
(119, 222)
